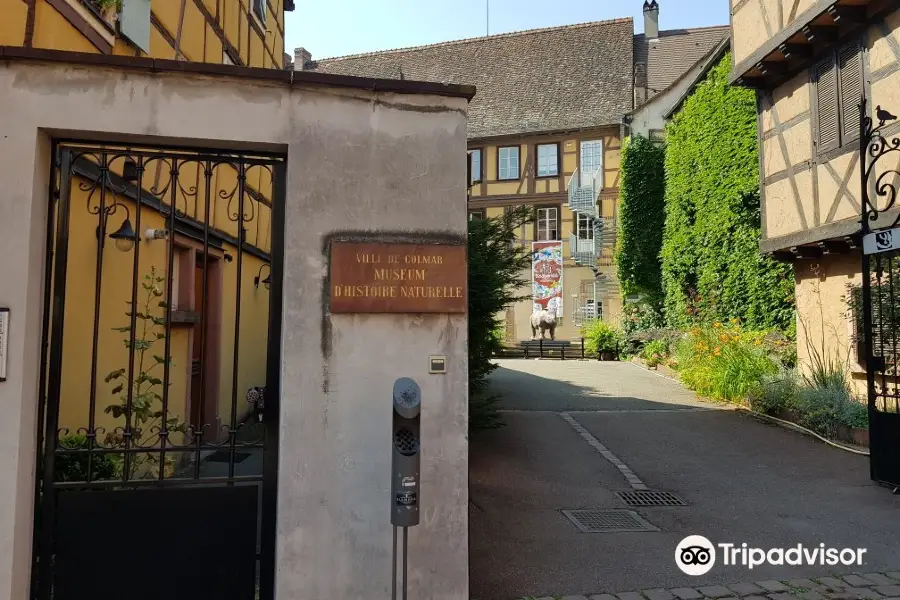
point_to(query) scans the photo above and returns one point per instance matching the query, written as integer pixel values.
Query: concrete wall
(334, 534)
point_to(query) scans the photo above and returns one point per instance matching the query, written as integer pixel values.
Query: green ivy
(712, 269)
(641, 218)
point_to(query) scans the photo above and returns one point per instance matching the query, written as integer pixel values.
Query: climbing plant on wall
(711, 265)
(641, 218)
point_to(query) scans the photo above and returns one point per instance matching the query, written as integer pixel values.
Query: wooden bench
(543, 348)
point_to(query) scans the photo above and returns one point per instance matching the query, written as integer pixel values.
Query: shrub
(496, 266)
(600, 336)
(641, 316)
(824, 408)
(74, 467)
(724, 362)
(776, 393)
(655, 352)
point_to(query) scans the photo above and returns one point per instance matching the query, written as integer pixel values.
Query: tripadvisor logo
(696, 555)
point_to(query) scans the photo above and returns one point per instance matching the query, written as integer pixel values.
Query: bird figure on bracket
(883, 116)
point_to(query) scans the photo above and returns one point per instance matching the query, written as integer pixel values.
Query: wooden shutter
(826, 79)
(850, 72)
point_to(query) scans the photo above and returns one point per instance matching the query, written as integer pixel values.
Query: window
(657, 136)
(547, 224)
(838, 88)
(548, 160)
(475, 166)
(476, 215)
(259, 9)
(591, 160)
(584, 227)
(508, 162)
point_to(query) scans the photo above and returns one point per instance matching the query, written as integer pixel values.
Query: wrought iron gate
(880, 293)
(160, 362)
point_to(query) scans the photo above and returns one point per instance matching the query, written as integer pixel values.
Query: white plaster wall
(357, 161)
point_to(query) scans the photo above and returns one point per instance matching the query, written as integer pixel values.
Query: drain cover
(641, 498)
(608, 521)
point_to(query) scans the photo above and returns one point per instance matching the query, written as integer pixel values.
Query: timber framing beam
(799, 45)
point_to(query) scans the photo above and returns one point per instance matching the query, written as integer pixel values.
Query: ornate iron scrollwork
(874, 146)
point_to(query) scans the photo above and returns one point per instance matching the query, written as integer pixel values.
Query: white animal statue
(545, 321)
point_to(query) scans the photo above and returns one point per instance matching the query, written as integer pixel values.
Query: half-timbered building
(812, 62)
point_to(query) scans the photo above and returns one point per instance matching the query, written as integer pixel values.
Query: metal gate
(160, 363)
(880, 292)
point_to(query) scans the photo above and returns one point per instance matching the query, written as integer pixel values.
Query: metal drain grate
(608, 521)
(642, 498)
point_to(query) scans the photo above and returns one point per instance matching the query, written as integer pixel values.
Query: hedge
(712, 269)
(641, 218)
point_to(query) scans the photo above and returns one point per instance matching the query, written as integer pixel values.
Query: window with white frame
(584, 227)
(547, 160)
(591, 160)
(475, 175)
(547, 224)
(508, 162)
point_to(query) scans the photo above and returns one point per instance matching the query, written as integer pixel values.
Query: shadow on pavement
(744, 481)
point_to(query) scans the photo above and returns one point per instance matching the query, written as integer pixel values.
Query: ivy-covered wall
(712, 269)
(641, 218)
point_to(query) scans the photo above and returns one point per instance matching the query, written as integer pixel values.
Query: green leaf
(160, 360)
(117, 389)
(125, 329)
(114, 375)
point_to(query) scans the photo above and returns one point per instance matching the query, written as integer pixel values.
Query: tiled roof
(552, 79)
(674, 53)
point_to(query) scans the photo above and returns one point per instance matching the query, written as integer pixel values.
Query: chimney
(640, 84)
(301, 57)
(651, 19)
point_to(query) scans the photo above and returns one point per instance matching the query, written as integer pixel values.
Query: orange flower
(718, 352)
(724, 337)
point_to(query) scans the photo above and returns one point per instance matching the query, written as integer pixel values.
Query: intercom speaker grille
(406, 442)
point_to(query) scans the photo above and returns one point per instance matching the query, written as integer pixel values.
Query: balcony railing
(583, 194)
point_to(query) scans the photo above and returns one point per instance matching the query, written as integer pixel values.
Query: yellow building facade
(811, 62)
(239, 32)
(209, 264)
(589, 288)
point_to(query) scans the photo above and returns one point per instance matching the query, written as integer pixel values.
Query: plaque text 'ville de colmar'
(397, 278)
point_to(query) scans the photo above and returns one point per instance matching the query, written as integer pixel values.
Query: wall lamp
(125, 236)
(267, 281)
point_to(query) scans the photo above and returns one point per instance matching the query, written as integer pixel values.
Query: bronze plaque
(397, 278)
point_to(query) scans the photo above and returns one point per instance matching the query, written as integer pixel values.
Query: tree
(497, 264)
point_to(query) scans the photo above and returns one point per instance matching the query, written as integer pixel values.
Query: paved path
(577, 432)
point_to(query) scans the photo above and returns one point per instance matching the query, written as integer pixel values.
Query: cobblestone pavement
(867, 586)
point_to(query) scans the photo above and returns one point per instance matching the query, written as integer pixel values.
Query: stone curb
(855, 586)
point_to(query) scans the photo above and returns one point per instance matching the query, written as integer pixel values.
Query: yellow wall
(117, 275)
(198, 40)
(824, 323)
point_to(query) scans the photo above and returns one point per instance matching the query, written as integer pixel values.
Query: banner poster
(546, 277)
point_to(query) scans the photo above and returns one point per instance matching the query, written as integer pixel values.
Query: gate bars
(151, 257)
(879, 195)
